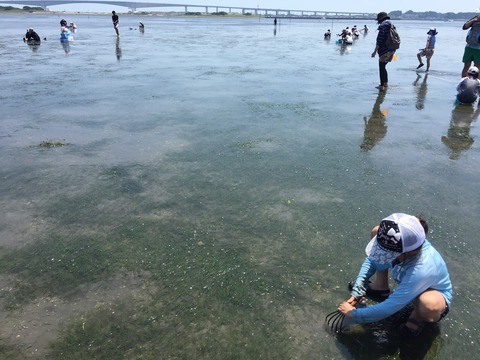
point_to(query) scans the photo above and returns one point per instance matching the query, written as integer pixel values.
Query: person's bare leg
(428, 64)
(419, 58)
(429, 307)
(380, 281)
(466, 66)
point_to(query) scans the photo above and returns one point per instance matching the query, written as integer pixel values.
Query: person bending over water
(400, 244)
(31, 36)
(468, 88)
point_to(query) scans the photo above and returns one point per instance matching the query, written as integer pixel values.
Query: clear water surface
(224, 133)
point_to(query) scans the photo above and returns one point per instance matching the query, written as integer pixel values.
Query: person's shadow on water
(458, 137)
(375, 126)
(345, 49)
(421, 91)
(381, 340)
(118, 49)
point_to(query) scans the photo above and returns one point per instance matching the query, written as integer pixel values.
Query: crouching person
(400, 245)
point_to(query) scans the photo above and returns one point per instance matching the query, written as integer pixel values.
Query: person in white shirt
(468, 88)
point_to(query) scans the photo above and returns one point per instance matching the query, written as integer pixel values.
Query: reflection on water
(380, 340)
(458, 137)
(118, 49)
(66, 47)
(33, 46)
(344, 48)
(375, 126)
(421, 91)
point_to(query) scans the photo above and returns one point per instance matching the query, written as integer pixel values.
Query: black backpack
(393, 39)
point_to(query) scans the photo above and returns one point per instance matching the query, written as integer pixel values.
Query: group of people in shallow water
(398, 244)
(468, 89)
(347, 35)
(66, 30)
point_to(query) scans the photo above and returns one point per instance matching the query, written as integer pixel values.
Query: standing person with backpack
(383, 47)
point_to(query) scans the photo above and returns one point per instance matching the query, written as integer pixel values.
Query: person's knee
(430, 305)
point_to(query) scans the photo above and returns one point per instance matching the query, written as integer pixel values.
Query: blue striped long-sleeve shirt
(382, 35)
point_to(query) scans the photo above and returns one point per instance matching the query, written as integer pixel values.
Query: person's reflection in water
(421, 91)
(458, 137)
(274, 31)
(345, 49)
(34, 47)
(375, 127)
(381, 340)
(118, 50)
(66, 47)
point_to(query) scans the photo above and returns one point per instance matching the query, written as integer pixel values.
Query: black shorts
(445, 312)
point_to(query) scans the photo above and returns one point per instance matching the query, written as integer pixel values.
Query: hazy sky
(369, 6)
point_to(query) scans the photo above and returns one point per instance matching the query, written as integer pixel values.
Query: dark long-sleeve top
(32, 36)
(383, 30)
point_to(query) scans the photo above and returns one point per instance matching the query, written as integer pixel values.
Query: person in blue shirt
(429, 49)
(419, 270)
(384, 54)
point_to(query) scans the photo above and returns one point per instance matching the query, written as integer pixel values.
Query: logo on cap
(389, 236)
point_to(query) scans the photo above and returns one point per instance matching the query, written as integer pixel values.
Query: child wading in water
(429, 49)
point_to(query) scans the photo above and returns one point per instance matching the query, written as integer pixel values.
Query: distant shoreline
(209, 15)
(143, 13)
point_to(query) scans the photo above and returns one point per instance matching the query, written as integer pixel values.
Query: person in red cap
(400, 244)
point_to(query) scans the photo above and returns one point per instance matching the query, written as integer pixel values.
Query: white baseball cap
(397, 234)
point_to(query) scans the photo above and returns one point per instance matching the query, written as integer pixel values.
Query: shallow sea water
(272, 139)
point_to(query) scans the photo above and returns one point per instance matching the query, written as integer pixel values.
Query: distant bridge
(135, 5)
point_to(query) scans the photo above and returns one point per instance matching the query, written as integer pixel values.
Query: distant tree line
(25, 8)
(431, 15)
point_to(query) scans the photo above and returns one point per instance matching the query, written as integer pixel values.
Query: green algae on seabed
(10, 352)
(226, 318)
(47, 144)
(209, 298)
(209, 287)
